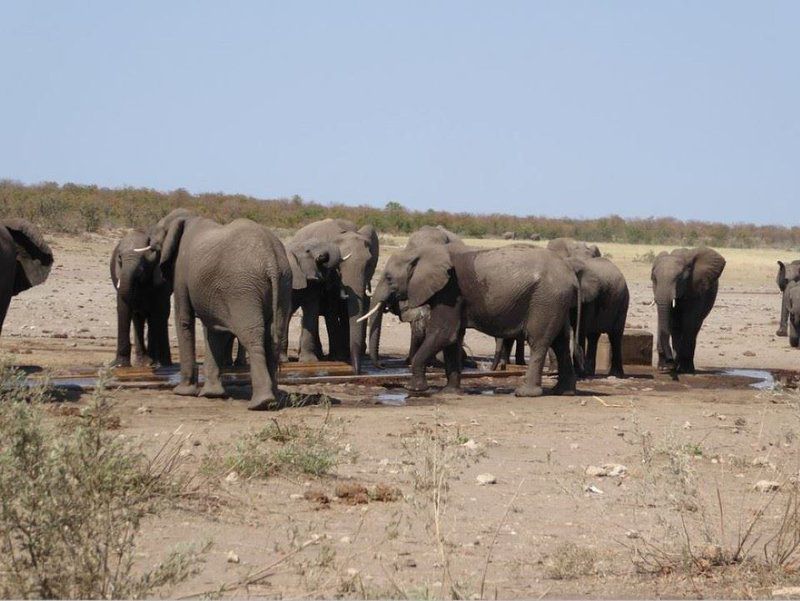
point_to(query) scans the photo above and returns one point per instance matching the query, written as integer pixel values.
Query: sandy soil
(688, 447)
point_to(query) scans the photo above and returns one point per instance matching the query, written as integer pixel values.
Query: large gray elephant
(567, 247)
(347, 302)
(792, 295)
(236, 278)
(685, 284)
(787, 272)
(315, 276)
(143, 298)
(501, 292)
(25, 260)
(604, 310)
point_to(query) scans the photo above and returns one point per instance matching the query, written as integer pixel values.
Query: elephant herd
(244, 284)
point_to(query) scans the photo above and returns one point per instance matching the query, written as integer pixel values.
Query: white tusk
(652, 303)
(116, 285)
(368, 293)
(673, 303)
(368, 315)
(342, 294)
(141, 250)
(347, 256)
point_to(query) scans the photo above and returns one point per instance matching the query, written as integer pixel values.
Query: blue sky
(580, 109)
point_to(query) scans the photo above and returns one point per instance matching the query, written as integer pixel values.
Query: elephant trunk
(378, 304)
(664, 317)
(126, 283)
(356, 305)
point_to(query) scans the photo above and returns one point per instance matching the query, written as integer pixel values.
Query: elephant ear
(588, 280)
(431, 267)
(34, 257)
(172, 239)
(708, 265)
(781, 279)
(299, 281)
(594, 250)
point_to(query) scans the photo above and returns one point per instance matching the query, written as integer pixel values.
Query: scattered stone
(687, 425)
(233, 557)
(596, 471)
(749, 354)
(410, 562)
(484, 479)
(593, 490)
(232, 477)
(296, 496)
(615, 470)
(144, 409)
(470, 444)
(345, 540)
(763, 462)
(767, 486)
(633, 534)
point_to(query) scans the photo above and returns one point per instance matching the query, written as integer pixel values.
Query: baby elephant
(143, 297)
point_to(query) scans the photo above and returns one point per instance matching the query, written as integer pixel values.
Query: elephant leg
(452, 367)
(615, 339)
(784, 313)
(566, 372)
(532, 385)
(140, 351)
(542, 329)
(217, 345)
(590, 358)
(241, 355)
(158, 337)
(309, 330)
(263, 365)
(185, 318)
(417, 338)
(123, 358)
(502, 352)
(336, 346)
(5, 301)
(519, 357)
(794, 335)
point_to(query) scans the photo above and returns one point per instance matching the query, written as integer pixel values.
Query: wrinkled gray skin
(143, 297)
(25, 260)
(345, 303)
(604, 309)
(315, 276)
(792, 295)
(236, 278)
(501, 292)
(567, 247)
(685, 284)
(787, 272)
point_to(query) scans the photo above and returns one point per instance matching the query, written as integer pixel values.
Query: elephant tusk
(673, 303)
(143, 249)
(116, 284)
(342, 295)
(368, 315)
(347, 256)
(368, 292)
(652, 303)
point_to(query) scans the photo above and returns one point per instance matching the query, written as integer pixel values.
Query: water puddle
(766, 381)
(394, 397)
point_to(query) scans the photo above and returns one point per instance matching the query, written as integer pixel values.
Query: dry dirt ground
(691, 452)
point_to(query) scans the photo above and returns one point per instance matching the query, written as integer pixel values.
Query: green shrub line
(76, 208)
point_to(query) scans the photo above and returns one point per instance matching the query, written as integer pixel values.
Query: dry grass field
(645, 486)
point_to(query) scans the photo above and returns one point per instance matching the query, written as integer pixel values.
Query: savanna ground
(350, 497)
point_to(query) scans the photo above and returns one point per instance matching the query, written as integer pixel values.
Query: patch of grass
(648, 257)
(72, 501)
(276, 448)
(569, 561)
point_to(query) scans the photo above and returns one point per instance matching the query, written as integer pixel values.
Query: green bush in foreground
(72, 502)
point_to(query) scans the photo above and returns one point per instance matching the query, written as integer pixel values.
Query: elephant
(501, 292)
(25, 260)
(509, 235)
(236, 278)
(787, 272)
(143, 297)
(346, 302)
(604, 309)
(315, 274)
(567, 247)
(792, 294)
(685, 284)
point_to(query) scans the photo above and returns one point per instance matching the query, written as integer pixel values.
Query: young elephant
(143, 297)
(236, 278)
(25, 260)
(604, 310)
(787, 273)
(501, 292)
(792, 294)
(315, 275)
(685, 284)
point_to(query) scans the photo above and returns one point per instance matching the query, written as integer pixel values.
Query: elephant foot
(781, 332)
(263, 402)
(451, 389)
(417, 384)
(212, 391)
(564, 389)
(185, 389)
(469, 363)
(617, 373)
(144, 361)
(121, 362)
(499, 366)
(308, 358)
(528, 390)
(794, 341)
(521, 362)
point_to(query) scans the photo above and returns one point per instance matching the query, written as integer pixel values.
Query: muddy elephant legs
(217, 345)
(186, 340)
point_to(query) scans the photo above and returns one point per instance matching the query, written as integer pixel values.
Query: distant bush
(79, 208)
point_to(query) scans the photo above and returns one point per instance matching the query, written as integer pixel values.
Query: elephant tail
(577, 348)
(281, 309)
